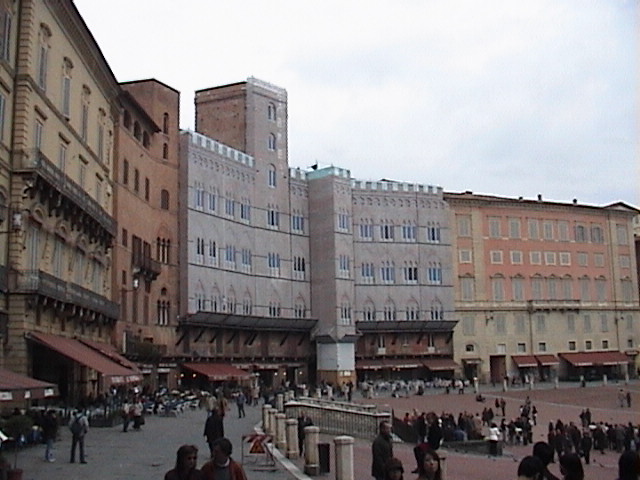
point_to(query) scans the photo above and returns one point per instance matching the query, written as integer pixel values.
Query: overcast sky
(513, 98)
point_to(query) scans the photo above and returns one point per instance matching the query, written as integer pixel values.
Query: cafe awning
(547, 360)
(113, 373)
(217, 372)
(440, 364)
(14, 386)
(385, 363)
(589, 359)
(524, 361)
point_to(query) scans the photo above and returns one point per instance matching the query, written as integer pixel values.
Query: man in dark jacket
(303, 422)
(381, 450)
(49, 433)
(586, 443)
(544, 452)
(214, 428)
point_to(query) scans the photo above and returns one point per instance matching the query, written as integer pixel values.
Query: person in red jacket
(221, 464)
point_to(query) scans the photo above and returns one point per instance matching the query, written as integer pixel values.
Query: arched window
(271, 111)
(272, 176)
(145, 140)
(127, 120)
(137, 131)
(164, 199)
(165, 123)
(165, 151)
(272, 142)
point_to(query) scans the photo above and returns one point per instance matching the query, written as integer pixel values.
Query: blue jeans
(48, 453)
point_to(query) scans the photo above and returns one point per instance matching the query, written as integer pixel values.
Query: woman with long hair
(430, 468)
(186, 465)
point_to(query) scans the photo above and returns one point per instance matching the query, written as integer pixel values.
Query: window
(164, 199)
(147, 189)
(514, 228)
(367, 273)
(501, 324)
(84, 113)
(273, 217)
(517, 286)
(464, 225)
(547, 229)
(297, 223)
(520, 324)
(272, 176)
(563, 231)
(299, 268)
(467, 288)
(343, 222)
(625, 261)
(598, 260)
(542, 346)
(5, 35)
(230, 257)
(345, 313)
(271, 112)
(588, 345)
(469, 347)
(468, 326)
(433, 234)
(541, 324)
(536, 288)
(136, 182)
(211, 197)
(412, 313)
(387, 272)
(521, 348)
(410, 274)
(627, 290)
(623, 234)
(601, 290)
(38, 133)
(567, 288)
(494, 227)
(535, 258)
(516, 257)
(565, 258)
(581, 234)
(230, 207)
(605, 344)
(437, 311)
(245, 210)
(501, 348)
(586, 323)
(271, 142)
(409, 232)
(62, 155)
(465, 256)
(389, 311)
(596, 234)
(583, 259)
(497, 289)
(3, 102)
(604, 323)
(273, 262)
(165, 151)
(572, 345)
(496, 257)
(247, 261)
(552, 288)
(344, 266)
(534, 229)
(549, 258)
(571, 323)
(386, 231)
(369, 312)
(44, 37)
(434, 273)
(366, 229)
(66, 87)
(102, 116)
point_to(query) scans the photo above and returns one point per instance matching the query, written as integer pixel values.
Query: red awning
(217, 372)
(111, 352)
(589, 359)
(77, 351)
(472, 361)
(14, 386)
(438, 364)
(524, 361)
(381, 363)
(547, 360)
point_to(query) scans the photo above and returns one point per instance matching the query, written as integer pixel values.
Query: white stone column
(556, 382)
(318, 392)
(505, 385)
(626, 378)
(293, 448)
(265, 418)
(531, 380)
(280, 402)
(476, 387)
(344, 457)
(272, 421)
(604, 379)
(311, 460)
(305, 391)
(281, 434)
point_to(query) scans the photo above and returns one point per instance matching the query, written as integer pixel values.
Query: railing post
(292, 438)
(344, 457)
(272, 421)
(311, 461)
(265, 418)
(280, 402)
(281, 438)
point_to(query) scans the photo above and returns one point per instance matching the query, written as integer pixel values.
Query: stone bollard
(344, 457)
(318, 393)
(305, 392)
(281, 434)
(556, 382)
(311, 460)
(265, 418)
(531, 381)
(604, 379)
(626, 378)
(272, 421)
(505, 385)
(288, 396)
(476, 387)
(280, 402)
(293, 448)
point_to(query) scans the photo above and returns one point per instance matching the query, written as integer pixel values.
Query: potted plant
(18, 428)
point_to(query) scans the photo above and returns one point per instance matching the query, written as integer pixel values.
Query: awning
(440, 364)
(113, 373)
(589, 359)
(547, 360)
(14, 386)
(111, 352)
(216, 372)
(524, 361)
(382, 363)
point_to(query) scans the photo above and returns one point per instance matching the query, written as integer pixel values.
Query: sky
(508, 98)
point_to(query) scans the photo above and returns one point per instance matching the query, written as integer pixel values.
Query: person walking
(186, 465)
(222, 466)
(49, 433)
(586, 444)
(303, 422)
(381, 450)
(213, 428)
(79, 427)
(241, 400)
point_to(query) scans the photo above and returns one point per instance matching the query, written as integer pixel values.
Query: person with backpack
(79, 426)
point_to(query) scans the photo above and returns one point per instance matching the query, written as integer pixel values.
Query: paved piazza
(148, 454)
